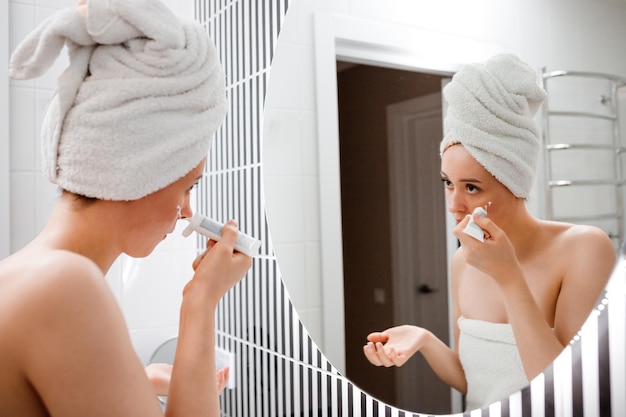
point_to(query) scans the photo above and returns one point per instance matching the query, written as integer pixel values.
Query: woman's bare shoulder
(48, 287)
(66, 261)
(572, 236)
(52, 271)
(31, 260)
(50, 294)
(585, 250)
(585, 256)
(67, 322)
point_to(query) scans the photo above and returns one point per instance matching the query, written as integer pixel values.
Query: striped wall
(279, 370)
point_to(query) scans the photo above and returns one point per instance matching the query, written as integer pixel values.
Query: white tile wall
(31, 196)
(149, 290)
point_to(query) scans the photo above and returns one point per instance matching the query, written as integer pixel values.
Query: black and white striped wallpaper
(279, 370)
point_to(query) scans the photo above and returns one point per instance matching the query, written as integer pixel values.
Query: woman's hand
(82, 7)
(222, 379)
(394, 346)
(220, 267)
(159, 375)
(495, 256)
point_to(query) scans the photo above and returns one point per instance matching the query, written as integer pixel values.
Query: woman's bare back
(63, 336)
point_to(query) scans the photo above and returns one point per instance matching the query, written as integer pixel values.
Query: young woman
(125, 138)
(522, 292)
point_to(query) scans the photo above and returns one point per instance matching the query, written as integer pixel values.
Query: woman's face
(154, 216)
(468, 185)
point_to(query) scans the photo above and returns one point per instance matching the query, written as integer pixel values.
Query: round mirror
(358, 252)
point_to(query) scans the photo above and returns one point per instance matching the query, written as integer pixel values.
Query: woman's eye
(446, 182)
(472, 188)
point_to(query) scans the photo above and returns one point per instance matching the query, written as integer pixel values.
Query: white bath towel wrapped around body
(491, 360)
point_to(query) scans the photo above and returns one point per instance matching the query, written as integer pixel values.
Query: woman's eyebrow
(470, 180)
(443, 174)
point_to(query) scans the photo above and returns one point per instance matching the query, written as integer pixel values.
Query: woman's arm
(589, 261)
(160, 375)
(590, 258)
(193, 387)
(394, 346)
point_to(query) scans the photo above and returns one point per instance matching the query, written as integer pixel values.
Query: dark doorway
(369, 199)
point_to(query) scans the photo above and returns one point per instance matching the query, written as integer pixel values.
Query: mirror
(319, 46)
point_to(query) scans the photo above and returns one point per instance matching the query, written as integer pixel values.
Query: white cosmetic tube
(472, 228)
(213, 230)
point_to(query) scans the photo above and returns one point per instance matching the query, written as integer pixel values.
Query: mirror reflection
(371, 297)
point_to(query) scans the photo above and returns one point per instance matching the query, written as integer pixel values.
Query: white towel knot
(138, 105)
(491, 110)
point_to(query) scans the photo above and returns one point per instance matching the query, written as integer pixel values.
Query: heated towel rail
(583, 149)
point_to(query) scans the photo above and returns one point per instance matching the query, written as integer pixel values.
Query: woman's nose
(455, 202)
(186, 211)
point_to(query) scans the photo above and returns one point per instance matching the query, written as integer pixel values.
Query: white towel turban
(138, 105)
(491, 110)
